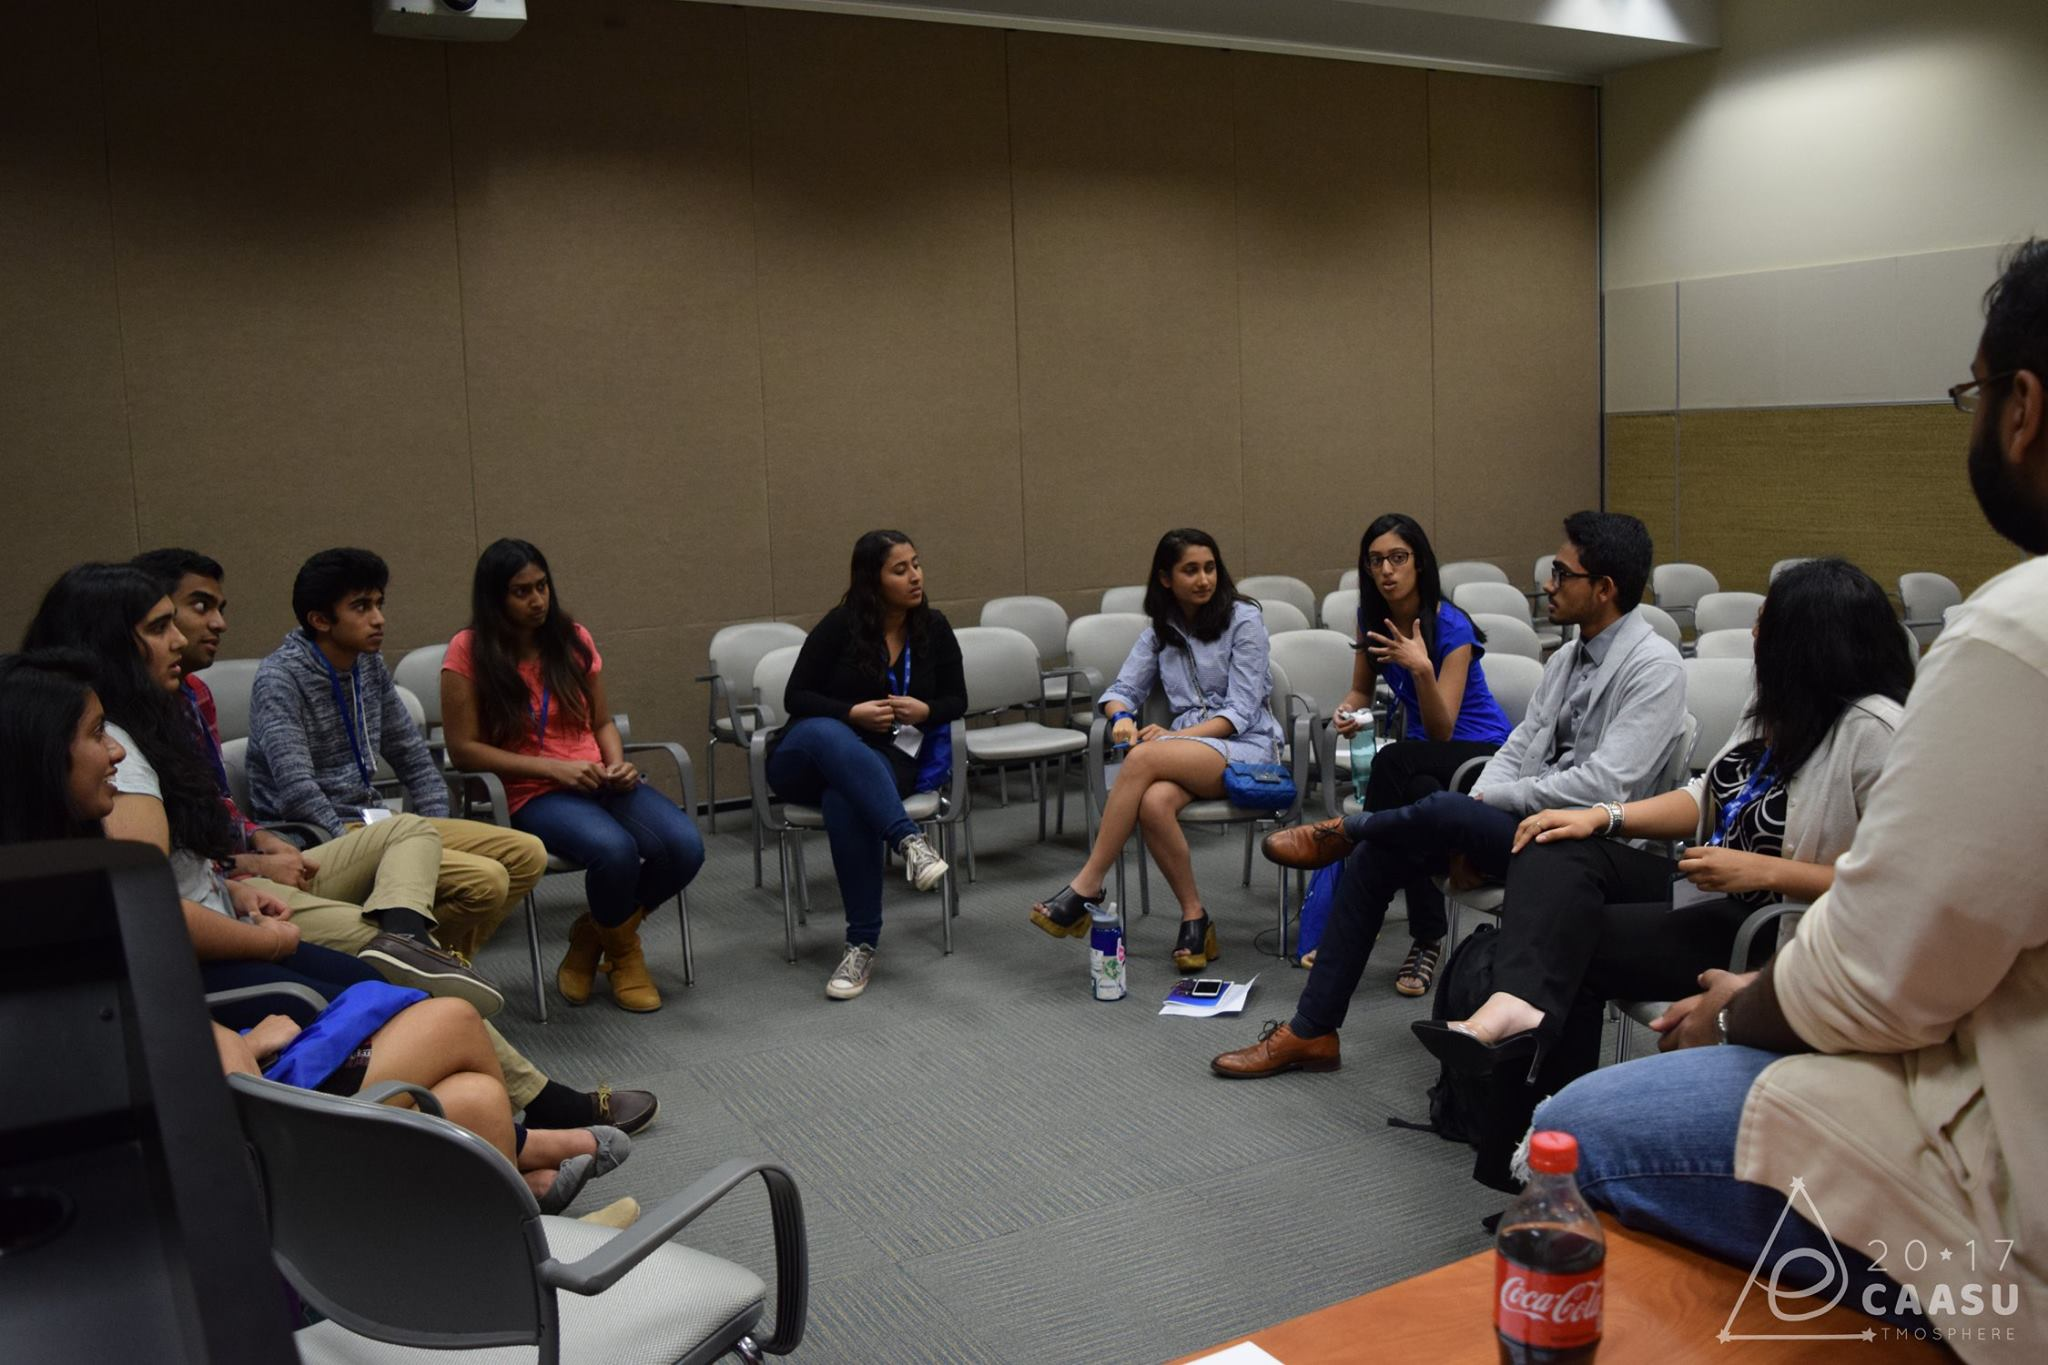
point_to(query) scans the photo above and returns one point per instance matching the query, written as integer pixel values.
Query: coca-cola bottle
(1549, 1263)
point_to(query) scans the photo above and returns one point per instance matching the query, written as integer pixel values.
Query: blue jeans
(821, 762)
(1395, 848)
(323, 969)
(638, 848)
(1657, 1150)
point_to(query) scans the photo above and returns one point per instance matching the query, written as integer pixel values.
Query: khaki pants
(485, 871)
(400, 864)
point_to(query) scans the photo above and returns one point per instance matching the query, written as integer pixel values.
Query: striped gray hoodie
(301, 763)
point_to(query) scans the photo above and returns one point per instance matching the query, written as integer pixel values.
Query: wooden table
(1664, 1304)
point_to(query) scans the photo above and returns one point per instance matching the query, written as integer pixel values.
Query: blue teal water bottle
(1106, 953)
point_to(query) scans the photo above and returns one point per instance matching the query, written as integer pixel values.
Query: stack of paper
(1230, 1002)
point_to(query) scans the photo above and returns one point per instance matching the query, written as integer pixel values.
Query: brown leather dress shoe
(1279, 1049)
(1308, 847)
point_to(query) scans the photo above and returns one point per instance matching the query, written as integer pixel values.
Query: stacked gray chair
(1679, 587)
(1277, 587)
(734, 654)
(415, 1238)
(1726, 611)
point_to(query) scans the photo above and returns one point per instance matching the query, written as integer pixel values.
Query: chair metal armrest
(1304, 743)
(427, 1100)
(1072, 675)
(1738, 956)
(288, 990)
(606, 1266)
(493, 789)
(1096, 761)
(953, 805)
(757, 771)
(1460, 782)
(686, 773)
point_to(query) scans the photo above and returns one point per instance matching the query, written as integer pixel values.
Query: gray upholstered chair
(730, 718)
(1926, 597)
(1508, 635)
(1679, 587)
(1459, 572)
(1339, 611)
(1280, 587)
(1129, 598)
(1002, 673)
(1726, 611)
(414, 1238)
(1282, 617)
(231, 681)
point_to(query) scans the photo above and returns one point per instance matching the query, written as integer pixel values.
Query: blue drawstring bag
(347, 1022)
(1315, 908)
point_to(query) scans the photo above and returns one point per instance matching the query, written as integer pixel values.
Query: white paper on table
(1230, 1002)
(1244, 1353)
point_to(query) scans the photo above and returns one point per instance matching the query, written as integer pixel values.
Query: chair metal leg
(1122, 901)
(711, 777)
(1060, 822)
(1003, 786)
(788, 911)
(1622, 1041)
(803, 880)
(540, 992)
(1283, 912)
(1144, 878)
(1038, 781)
(945, 895)
(972, 875)
(689, 957)
(1250, 827)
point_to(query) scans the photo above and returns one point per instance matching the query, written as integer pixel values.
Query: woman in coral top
(522, 696)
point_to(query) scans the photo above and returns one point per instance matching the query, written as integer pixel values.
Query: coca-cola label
(1547, 1310)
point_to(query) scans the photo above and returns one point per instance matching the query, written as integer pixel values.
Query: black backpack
(1491, 1113)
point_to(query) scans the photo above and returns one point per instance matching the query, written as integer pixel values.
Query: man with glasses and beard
(1602, 727)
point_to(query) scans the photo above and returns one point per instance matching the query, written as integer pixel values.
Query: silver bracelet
(1613, 809)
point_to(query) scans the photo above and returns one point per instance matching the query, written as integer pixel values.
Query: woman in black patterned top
(1592, 919)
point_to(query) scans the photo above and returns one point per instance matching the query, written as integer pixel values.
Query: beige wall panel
(1941, 318)
(1882, 486)
(1127, 318)
(286, 249)
(608, 304)
(1841, 325)
(888, 324)
(1641, 348)
(1333, 282)
(63, 434)
(1515, 288)
(640, 668)
(1642, 478)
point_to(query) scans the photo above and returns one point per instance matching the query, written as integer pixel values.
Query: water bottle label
(1552, 1311)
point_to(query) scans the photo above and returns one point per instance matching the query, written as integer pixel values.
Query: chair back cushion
(737, 650)
(1130, 598)
(1682, 585)
(1725, 644)
(1498, 599)
(1270, 587)
(399, 1226)
(231, 681)
(1716, 691)
(1001, 666)
(1508, 635)
(1459, 572)
(1040, 618)
(1317, 665)
(1513, 679)
(420, 672)
(1726, 611)
(1282, 617)
(771, 681)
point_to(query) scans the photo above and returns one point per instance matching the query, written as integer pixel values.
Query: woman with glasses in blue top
(1428, 651)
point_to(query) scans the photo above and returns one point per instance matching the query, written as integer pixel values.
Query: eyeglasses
(1560, 574)
(1397, 558)
(1966, 396)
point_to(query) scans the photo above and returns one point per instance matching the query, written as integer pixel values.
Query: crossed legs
(1156, 782)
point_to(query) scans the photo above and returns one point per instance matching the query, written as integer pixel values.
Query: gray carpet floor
(995, 1167)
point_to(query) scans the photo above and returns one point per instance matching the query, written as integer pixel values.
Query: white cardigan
(1824, 800)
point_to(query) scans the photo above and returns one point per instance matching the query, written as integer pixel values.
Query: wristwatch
(1721, 1023)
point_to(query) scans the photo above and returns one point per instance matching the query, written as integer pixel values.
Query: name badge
(909, 739)
(372, 814)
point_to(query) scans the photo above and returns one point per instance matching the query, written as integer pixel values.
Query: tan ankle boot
(579, 965)
(632, 988)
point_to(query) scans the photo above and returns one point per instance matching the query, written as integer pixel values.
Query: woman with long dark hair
(523, 696)
(875, 689)
(61, 756)
(1591, 918)
(1206, 648)
(1429, 651)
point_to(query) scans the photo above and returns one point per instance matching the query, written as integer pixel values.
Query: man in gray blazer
(1604, 724)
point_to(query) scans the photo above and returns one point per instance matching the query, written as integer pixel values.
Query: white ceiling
(1558, 39)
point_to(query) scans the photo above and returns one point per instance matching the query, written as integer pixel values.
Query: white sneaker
(850, 977)
(923, 868)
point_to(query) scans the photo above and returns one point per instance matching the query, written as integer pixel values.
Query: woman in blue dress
(1428, 650)
(1206, 647)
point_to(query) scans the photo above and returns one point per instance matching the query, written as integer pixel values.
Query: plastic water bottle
(1550, 1263)
(1362, 749)
(1106, 953)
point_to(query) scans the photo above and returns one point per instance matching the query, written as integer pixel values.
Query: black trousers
(1402, 774)
(1591, 920)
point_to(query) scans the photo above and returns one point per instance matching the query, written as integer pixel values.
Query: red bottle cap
(1553, 1153)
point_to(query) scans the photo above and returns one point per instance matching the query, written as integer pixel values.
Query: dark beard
(2005, 502)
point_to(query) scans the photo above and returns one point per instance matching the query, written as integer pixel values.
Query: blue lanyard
(1760, 780)
(348, 722)
(903, 686)
(206, 739)
(540, 722)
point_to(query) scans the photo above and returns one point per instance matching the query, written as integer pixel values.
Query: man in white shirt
(1884, 1070)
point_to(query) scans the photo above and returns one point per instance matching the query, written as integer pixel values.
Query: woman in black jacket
(870, 701)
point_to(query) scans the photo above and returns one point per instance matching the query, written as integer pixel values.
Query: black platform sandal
(1196, 947)
(1066, 914)
(1466, 1054)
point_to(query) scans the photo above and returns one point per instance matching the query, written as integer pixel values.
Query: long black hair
(1826, 636)
(1212, 618)
(502, 716)
(95, 609)
(868, 649)
(1373, 610)
(42, 696)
